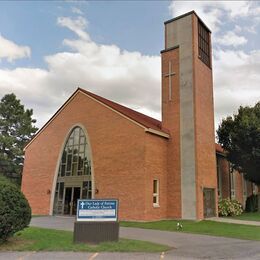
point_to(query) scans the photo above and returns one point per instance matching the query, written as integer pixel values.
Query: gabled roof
(150, 124)
(140, 118)
(144, 120)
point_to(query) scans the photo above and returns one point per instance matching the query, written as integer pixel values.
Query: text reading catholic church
(95, 148)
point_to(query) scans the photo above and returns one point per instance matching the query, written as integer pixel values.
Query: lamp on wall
(48, 191)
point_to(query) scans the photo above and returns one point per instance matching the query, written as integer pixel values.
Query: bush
(228, 207)
(252, 203)
(15, 212)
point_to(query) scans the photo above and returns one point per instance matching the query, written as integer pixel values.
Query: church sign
(97, 221)
(97, 210)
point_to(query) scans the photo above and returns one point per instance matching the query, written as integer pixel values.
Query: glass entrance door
(68, 192)
(72, 194)
(76, 196)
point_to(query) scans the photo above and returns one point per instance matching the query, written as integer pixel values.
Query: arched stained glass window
(75, 157)
(74, 176)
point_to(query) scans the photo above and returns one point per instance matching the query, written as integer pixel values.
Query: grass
(202, 227)
(251, 216)
(41, 239)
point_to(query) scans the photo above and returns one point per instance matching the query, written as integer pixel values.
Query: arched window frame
(59, 160)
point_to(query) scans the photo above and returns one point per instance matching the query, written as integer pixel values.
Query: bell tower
(188, 113)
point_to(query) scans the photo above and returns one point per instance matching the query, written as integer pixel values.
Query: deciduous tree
(239, 135)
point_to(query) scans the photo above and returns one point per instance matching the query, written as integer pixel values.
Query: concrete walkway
(236, 221)
(80, 256)
(185, 246)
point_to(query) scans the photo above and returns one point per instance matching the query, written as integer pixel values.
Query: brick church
(95, 148)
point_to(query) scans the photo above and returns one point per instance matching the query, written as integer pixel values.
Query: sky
(112, 48)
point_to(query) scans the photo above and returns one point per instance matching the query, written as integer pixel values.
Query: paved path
(79, 256)
(185, 246)
(236, 221)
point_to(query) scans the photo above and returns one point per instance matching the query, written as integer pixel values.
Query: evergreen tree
(240, 137)
(16, 129)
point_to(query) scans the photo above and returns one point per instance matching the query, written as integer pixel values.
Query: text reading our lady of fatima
(98, 210)
(97, 205)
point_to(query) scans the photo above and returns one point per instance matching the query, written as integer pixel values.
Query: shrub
(252, 203)
(15, 212)
(228, 207)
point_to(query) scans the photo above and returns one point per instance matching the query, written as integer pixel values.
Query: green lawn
(251, 216)
(38, 239)
(202, 227)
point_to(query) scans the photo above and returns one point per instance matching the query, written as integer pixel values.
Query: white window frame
(156, 194)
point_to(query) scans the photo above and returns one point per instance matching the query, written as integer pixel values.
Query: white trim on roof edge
(156, 132)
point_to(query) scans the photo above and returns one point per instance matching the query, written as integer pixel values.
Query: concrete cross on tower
(170, 74)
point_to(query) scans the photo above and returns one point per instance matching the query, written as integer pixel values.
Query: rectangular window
(74, 169)
(61, 191)
(86, 190)
(244, 185)
(63, 166)
(255, 189)
(204, 43)
(155, 193)
(232, 183)
(219, 179)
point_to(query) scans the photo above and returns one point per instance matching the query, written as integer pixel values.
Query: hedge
(15, 212)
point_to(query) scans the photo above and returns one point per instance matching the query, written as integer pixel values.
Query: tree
(15, 211)
(240, 137)
(16, 129)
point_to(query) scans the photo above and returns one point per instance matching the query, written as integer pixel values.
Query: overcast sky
(48, 49)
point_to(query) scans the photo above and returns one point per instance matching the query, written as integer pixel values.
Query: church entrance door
(72, 194)
(209, 203)
(74, 180)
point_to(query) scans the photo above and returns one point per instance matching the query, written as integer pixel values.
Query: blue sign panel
(97, 210)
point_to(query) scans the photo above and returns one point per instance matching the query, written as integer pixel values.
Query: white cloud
(127, 77)
(237, 29)
(236, 81)
(76, 10)
(210, 17)
(231, 39)
(235, 71)
(130, 78)
(213, 12)
(77, 25)
(11, 51)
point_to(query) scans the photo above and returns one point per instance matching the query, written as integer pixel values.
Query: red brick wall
(118, 151)
(239, 187)
(224, 172)
(155, 169)
(171, 121)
